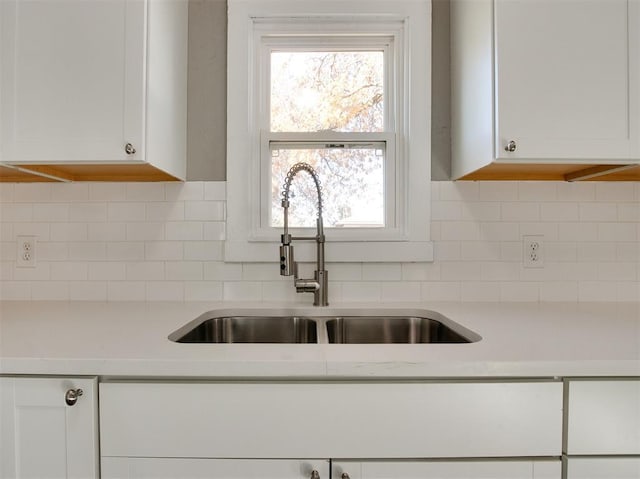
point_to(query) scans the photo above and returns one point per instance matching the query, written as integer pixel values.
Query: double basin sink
(371, 327)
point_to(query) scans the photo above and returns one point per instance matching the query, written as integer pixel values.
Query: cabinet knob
(315, 474)
(345, 476)
(511, 146)
(72, 395)
(129, 149)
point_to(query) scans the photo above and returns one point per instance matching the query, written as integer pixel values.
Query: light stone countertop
(129, 339)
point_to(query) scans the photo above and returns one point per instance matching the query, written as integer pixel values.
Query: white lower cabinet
(603, 428)
(161, 468)
(367, 420)
(603, 468)
(242, 430)
(472, 469)
(43, 436)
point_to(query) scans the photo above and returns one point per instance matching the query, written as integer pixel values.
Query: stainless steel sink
(390, 329)
(248, 329)
(331, 326)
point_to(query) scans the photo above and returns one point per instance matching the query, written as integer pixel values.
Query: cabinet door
(522, 469)
(603, 417)
(567, 79)
(159, 468)
(603, 468)
(42, 436)
(71, 85)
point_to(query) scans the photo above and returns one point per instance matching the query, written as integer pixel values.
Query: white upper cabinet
(545, 81)
(94, 82)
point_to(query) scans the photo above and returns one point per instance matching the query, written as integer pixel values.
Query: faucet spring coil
(293, 171)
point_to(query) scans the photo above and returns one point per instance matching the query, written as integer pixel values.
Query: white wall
(164, 241)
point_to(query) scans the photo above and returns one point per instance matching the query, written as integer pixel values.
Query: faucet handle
(287, 264)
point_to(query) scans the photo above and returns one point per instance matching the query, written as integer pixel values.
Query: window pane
(352, 180)
(327, 91)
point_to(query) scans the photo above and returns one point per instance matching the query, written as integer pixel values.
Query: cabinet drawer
(603, 468)
(604, 417)
(364, 420)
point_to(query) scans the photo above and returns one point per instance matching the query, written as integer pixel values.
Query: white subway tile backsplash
(184, 271)
(125, 251)
(189, 191)
(183, 230)
(615, 191)
(480, 291)
(441, 291)
(15, 290)
(420, 272)
(214, 231)
(50, 291)
(215, 191)
(164, 250)
(165, 211)
(558, 291)
(486, 211)
(362, 291)
(16, 212)
(31, 192)
(523, 291)
(220, 271)
(559, 212)
(107, 271)
(381, 272)
(503, 231)
(537, 191)
(107, 232)
(520, 212)
(598, 212)
(66, 192)
(126, 211)
(126, 291)
(497, 191)
(203, 251)
(204, 210)
(69, 232)
(87, 290)
(409, 291)
(618, 272)
(69, 270)
(576, 191)
(242, 291)
(159, 241)
(145, 192)
(88, 212)
(87, 251)
(147, 270)
(202, 290)
(165, 291)
(107, 191)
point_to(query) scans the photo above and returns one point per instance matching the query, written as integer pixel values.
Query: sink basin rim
(322, 315)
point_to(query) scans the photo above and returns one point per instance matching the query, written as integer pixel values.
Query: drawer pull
(72, 395)
(315, 474)
(511, 146)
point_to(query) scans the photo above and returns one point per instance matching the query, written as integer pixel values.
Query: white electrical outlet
(533, 251)
(26, 254)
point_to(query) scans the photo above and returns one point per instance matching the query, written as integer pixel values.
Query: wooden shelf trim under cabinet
(84, 172)
(554, 172)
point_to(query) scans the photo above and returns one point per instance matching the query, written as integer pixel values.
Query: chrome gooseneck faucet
(288, 266)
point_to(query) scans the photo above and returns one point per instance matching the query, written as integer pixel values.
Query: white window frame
(403, 27)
